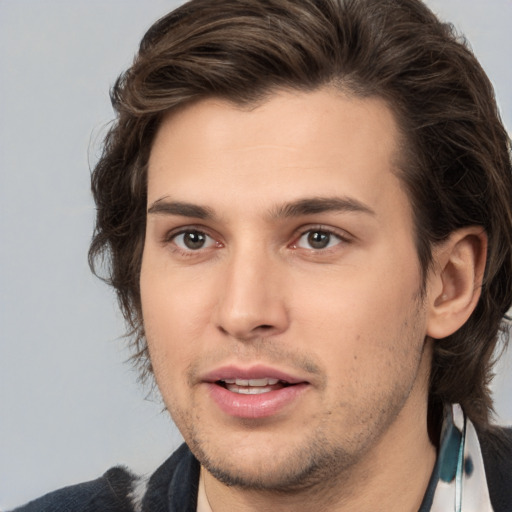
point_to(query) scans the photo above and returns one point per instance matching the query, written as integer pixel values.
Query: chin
(284, 469)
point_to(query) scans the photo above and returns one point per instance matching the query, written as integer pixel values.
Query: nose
(251, 300)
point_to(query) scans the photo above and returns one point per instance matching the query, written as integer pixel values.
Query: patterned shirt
(458, 482)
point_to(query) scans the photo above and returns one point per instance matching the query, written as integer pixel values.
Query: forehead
(292, 145)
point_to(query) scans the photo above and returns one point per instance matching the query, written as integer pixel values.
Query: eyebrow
(302, 207)
(166, 207)
(314, 205)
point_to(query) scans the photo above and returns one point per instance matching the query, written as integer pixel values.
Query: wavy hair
(456, 153)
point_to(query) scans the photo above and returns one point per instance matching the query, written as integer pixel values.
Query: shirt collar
(458, 481)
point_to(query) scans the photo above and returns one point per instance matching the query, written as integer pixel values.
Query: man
(306, 208)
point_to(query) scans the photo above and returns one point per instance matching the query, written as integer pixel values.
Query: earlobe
(456, 279)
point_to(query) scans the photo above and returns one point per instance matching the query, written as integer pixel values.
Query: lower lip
(255, 406)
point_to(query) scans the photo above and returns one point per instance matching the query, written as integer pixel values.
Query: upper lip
(248, 373)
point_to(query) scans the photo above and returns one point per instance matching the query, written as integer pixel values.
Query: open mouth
(252, 393)
(252, 386)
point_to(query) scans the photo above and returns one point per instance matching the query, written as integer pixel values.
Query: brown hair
(457, 166)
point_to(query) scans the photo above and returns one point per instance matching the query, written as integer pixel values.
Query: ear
(455, 282)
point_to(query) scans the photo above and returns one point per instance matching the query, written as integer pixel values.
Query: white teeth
(250, 386)
(247, 390)
(252, 382)
(262, 382)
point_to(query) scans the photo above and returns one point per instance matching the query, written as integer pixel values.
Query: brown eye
(318, 239)
(193, 240)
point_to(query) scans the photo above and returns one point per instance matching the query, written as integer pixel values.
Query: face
(280, 286)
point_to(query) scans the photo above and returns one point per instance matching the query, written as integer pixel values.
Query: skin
(349, 318)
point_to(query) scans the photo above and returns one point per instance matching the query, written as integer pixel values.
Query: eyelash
(170, 239)
(332, 233)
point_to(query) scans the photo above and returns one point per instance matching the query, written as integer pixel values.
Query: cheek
(173, 299)
(174, 313)
(361, 319)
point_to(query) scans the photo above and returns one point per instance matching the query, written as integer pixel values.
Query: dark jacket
(173, 487)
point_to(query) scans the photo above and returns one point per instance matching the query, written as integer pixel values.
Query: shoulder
(496, 446)
(119, 490)
(107, 493)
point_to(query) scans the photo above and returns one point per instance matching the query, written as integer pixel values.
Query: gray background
(69, 407)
